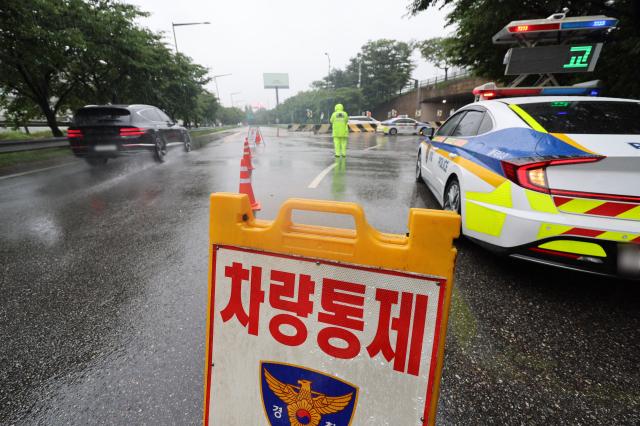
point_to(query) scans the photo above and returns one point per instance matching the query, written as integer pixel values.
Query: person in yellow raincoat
(339, 120)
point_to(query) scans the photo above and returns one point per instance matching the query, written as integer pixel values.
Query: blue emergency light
(598, 23)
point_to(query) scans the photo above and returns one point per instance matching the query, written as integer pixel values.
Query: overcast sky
(250, 37)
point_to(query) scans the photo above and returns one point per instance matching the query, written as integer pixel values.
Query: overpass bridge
(434, 100)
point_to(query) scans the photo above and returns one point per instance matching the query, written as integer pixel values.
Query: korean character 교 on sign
(405, 332)
(238, 275)
(282, 297)
(343, 305)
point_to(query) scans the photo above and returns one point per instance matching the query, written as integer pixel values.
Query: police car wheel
(452, 196)
(419, 168)
(393, 131)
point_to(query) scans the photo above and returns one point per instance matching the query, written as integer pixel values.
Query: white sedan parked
(404, 126)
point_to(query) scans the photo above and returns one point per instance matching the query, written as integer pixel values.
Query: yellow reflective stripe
(566, 139)
(551, 230)
(501, 196)
(634, 213)
(527, 118)
(368, 127)
(580, 205)
(623, 237)
(486, 175)
(482, 219)
(576, 247)
(540, 202)
(354, 128)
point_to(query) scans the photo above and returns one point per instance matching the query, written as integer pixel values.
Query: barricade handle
(283, 220)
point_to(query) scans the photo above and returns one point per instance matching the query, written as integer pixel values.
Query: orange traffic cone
(245, 185)
(247, 154)
(258, 136)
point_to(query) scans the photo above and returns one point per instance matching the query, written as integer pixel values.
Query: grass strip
(12, 158)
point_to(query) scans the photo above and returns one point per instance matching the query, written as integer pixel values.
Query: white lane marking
(315, 182)
(36, 170)
(372, 147)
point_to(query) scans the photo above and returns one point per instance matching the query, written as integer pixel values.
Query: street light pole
(359, 71)
(215, 81)
(329, 73)
(182, 24)
(231, 95)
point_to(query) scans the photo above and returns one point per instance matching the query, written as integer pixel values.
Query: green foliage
(264, 116)
(59, 55)
(231, 115)
(478, 20)
(8, 159)
(320, 101)
(206, 110)
(440, 51)
(386, 68)
(16, 135)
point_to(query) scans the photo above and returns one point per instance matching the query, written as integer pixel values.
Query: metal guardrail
(61, 142)
(32, 145)
(434, 81)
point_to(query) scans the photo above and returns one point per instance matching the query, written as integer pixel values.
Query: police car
(541, 175)
(403, 126)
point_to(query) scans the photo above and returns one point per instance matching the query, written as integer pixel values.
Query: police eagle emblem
(305, 406)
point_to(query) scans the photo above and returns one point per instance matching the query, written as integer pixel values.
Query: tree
(337, 79)
(231, 115)
(439, 51)
(207, 110)
(478, 20)
(18, 111)
(58, 55)
(321, 102)
(386, 69)
(45, 52)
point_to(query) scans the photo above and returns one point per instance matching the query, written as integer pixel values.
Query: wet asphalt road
(104, 280)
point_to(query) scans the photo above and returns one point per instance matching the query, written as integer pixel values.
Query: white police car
(404, 126)
(552, 179)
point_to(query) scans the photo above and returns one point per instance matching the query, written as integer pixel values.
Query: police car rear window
(587, 117)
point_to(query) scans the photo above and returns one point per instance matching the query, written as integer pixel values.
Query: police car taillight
(533, 175)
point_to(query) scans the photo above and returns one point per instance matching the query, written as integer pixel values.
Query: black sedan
(100, 132)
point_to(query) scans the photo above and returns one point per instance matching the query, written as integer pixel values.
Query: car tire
(419, 168)
(96, 161)
(159, 150)
(451, 199)
(187, 142)
(393, 132)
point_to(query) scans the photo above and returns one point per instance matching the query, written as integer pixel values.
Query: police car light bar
(489, 91)
(548, 29)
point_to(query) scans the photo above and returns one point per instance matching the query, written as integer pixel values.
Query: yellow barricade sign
(320, 326)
